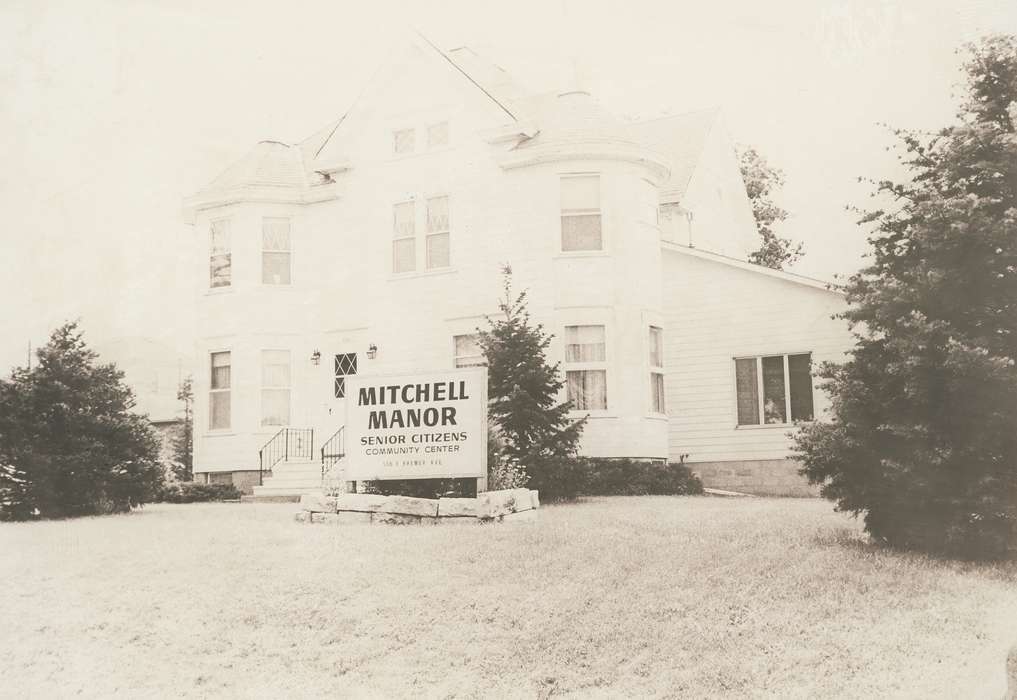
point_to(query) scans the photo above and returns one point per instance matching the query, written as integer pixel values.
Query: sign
(430, 425)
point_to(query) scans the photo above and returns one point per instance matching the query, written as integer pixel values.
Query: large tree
(762, 183)
(530, 424)
(69, 441)
(182, 441)
(924, 433)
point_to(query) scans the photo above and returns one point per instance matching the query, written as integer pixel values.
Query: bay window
(657, 370)
(580, 213)
(275, 251)
(468, 352)
(219, 257)
(586, 367)
(437, 241)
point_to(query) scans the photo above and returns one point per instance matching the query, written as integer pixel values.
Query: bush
(567, 479)
(505, 472)
(192, 492)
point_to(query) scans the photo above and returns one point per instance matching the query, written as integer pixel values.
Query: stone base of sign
(510, 505)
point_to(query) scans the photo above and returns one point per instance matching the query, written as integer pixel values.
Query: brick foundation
(763, 477)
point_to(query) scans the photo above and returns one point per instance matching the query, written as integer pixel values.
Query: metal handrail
(288, 443)
(332, 450)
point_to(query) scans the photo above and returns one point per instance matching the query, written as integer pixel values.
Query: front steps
(289, 481)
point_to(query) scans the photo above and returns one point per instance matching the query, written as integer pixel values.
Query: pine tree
(182, 442)
(69, 441)
(924, 432)
(523, 389)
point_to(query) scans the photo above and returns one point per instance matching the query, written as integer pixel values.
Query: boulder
(523, 516)
(302, 517)
(407, 505)
(361, 502)
(457, 507)
(352, 517)
(492, 504)
(460, 520)
(401, 519)
(315, 503)
(325, 518)
(535, 498)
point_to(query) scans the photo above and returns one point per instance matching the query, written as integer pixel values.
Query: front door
(343, 364)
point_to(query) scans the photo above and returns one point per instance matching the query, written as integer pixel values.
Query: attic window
(403, 141)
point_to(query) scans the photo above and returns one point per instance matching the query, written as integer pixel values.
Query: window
(468, 351)
(404, 250)
(345, 365)
(580, 213)
(657, 370)
(437, 242)
(219, 254)
(774, 387)
(275, 387)
(586, 367)
(403, 141)
(437, 135)
(219, 392)
(275, 251)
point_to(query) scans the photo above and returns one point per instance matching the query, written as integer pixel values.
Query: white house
(375, 246)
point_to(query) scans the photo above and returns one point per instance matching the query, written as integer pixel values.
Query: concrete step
(277, 491)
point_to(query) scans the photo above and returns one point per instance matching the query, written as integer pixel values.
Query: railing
(287, 444)
(332, 451)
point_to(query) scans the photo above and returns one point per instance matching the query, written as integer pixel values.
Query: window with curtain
(219, 391)
(404, 249)
(437, 242)
(586, 367)
(580, 213)
(275, 387)
(275, 251)
(774, 389)
(220, 263)
(657, 404)
(468, 352)
(437, 135)
(403, 141)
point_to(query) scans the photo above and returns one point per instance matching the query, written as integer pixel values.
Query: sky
(111, 112)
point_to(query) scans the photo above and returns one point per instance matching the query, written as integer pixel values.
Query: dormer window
(437, 135)
(403, 141)
(580, 213)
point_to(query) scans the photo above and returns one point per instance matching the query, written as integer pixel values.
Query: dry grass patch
(653, 596)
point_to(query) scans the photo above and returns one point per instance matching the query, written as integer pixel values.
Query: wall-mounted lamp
(316, 357)
(372, 351)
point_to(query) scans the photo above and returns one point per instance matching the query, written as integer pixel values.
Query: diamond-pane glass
(345, 364)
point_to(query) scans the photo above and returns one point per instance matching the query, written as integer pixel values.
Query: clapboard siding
(715, 312)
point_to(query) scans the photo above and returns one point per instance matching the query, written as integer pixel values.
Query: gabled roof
(751, 267)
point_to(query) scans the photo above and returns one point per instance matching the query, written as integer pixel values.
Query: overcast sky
(112, 112)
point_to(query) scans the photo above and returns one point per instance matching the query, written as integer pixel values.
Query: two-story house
(375, 246)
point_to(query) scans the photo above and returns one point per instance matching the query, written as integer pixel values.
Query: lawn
(654, 596)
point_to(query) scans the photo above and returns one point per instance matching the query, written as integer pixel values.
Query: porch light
(372, 351)
(316, 357)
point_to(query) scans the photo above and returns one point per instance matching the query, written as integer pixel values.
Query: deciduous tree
(762, 182)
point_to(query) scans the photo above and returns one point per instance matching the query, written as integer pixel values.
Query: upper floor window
(220, 270)
(657, 370)
(275, 251)
(437, 135)
(774, 387)
(468, 351)
(403, 141)
(219, 391)
(437, 243)
(586, 367)
(580, 213)
(275, 387)
(404, 249)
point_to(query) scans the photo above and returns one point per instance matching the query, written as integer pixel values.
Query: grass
(652, 596)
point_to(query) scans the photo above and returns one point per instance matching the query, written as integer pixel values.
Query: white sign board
(426, 425)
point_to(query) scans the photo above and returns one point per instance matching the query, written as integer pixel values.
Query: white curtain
(584, 344)
(587, 389)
